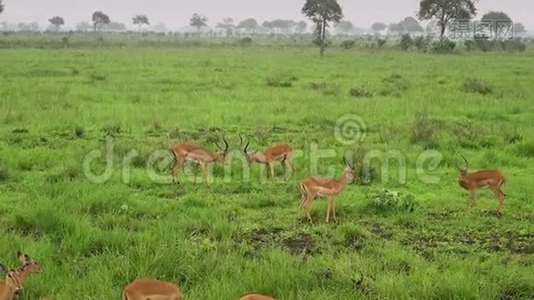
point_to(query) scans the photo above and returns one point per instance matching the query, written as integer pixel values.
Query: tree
(344, 26)
(24, 27)
(1, 7)
(116, 26)
(410, 24)
(249, 24)
(57, 22)
(395, 28)
(301, 27)
(519, 28)
(99, 19)
(198, 21)
(499, 21)
(84, 26)
(379, 27)
(228, 25)
(140, 20)
(446, 11)
(321, 12)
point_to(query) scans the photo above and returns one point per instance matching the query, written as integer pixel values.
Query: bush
(442, 46)
(421, 43)
(394, 85)
(328, 88)
(406, 42)
(486, 45)
(4, 172)
(348, 44)
(423, 130)
(280, 80)
(473, 85)
(388, 201)
(361, 92)
(245, 41)
(381, 42)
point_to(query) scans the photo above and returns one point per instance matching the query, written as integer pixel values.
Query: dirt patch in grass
(302, 243)
(380, 230)
(262, 237)
(355, 241)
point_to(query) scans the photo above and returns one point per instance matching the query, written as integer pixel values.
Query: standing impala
(312, 187)
(182, 152)
(151, 289)
(278, 152)
(473, 181)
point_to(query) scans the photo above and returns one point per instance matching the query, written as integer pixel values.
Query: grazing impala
(10, 286)
(256, 297)
(312, 187)
(279, 152)
(473, 181)
(151, 289)
(182, 152)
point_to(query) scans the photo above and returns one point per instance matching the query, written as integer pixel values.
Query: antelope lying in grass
(312, 187)
(182, 152)
(151, 289)
(473, 181)
(278, 152)
(256, 297)
(12, 285)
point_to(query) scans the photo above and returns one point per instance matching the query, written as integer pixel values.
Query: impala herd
(311, 187)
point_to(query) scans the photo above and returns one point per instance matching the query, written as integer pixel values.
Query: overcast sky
(176, 13)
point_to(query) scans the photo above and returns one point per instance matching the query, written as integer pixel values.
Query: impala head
(221, 154)
(28, 263)
(249, 155)
(349, 170)
(12, 279)
(462, 171)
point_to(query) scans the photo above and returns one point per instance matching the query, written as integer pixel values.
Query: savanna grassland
(238, 236)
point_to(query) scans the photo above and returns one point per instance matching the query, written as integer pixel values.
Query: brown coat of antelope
(473, 181)
(278, 152)
(182, 152)
(151, 289)
(256, 297)
(12, 285)
(312, 187)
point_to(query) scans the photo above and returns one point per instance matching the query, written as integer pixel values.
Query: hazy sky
(176, 13)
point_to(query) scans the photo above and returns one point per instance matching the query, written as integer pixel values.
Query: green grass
(243, 236)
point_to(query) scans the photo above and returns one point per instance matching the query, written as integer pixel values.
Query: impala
(182, 152)
(10, 286)
(278, 152)
(151, 289)
(312, 187)
(256, 297)
(473, 181)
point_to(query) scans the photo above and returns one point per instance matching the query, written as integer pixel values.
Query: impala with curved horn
(473, 181)
(12, 285)
(278, 152)
(147, 289)
(182, 152)
(312, 187)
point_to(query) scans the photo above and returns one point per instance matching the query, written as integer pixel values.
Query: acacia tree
(409, 24)
(378, 26)
(250, 24)
(198, 21)
(1, 7)
(100, 18)
(519, 28)
(321, 12)
(140, 20)
(57, 22)
(446, 11)
(344, 26)
(301, 27)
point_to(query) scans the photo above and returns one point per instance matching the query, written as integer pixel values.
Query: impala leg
(501, 197)
(308, 208)
(334, 209)
(204, 168)
(330, 200)
(271, 167)
(302, 202)
(176, 166)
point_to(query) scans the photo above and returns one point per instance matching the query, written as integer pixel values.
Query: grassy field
(238, 236)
